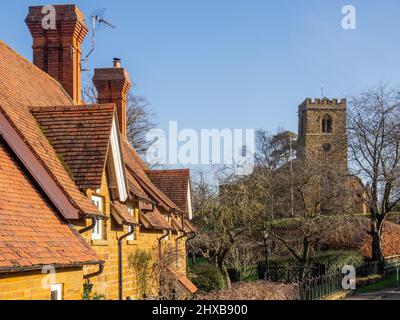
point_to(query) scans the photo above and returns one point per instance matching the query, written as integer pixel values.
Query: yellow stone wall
(107, 283)
(28, 285)
(34, 285)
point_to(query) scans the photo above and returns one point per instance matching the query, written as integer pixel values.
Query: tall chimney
(58, 32)
(112, 85)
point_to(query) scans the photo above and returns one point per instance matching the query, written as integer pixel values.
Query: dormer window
(327, 124)
(97, 233)
(131, 228)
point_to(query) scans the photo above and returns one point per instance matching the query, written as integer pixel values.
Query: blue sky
(236, 63)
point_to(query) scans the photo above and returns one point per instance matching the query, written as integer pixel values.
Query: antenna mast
(97, 19)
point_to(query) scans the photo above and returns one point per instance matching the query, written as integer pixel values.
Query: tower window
(327, 124)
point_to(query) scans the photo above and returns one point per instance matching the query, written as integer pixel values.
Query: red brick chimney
(112, 85)
(57, 44)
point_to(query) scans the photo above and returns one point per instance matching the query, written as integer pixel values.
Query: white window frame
(118, 162)
(130, 228)
(58, 288)
(166, 231)
(98, 230)
(189, 201)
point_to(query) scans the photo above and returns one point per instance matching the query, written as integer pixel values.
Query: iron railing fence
(392, 264)
(315, 283)
(289, 275)
(320, 287)
(323, 286)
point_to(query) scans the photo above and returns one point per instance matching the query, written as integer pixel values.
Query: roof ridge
(169, 170)
(85, 107)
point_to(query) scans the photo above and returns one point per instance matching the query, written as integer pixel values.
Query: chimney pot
(117, 63)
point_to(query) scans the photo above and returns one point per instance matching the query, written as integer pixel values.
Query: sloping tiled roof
(23, 85)
(81, 134)
(122, 214)
(184, 281)
(151, 218)
(174, 183)
(187, 226)
(31, 232)
(138, 170)
(135, 189)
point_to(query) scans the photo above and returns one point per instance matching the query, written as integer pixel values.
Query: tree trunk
(305, 258)
(226, 275)
(222, 267)
(376, 234)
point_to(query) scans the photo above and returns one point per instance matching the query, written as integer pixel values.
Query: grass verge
(387, 283)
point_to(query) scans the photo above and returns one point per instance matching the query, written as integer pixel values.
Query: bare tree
(139, 117)
(374, 129)
(298, 195)
(225, 212)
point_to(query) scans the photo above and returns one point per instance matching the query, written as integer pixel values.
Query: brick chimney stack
(57, 44)
(112, 85)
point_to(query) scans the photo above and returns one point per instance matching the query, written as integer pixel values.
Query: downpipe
(120, 273)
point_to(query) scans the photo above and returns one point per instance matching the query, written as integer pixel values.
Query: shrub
(332, 260)
(140, 263)
(207, 277)
(260, 290)
(234, 275)
(338, 259)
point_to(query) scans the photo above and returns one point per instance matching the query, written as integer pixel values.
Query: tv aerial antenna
(97, 21)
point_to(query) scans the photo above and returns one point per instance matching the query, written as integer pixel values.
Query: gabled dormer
(88, 143)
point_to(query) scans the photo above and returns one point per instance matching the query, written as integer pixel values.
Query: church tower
(323, 132)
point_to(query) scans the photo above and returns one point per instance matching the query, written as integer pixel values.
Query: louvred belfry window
(327, 124)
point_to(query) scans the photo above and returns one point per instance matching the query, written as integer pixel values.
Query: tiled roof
(122, 214)
(174, 183)
(23, 85)
(135, 189)
(81, 135)
(151, 218)
(187, 283)
(184, 281)
(138, 170)
(176, 222)
(31, 232)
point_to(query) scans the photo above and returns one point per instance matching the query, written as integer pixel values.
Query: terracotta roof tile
(174, 184)
(81, 134)
(23, 85)
(184, 281)
(138, 170)
(31, 232)
(151, 218)
(187, 226)
(122, 214)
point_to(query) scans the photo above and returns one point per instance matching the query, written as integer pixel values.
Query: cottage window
(166, 231)
(57, 292)
(97, 233)
(327, 124)
(131, 228)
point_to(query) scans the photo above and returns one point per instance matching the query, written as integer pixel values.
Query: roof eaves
(34, 166)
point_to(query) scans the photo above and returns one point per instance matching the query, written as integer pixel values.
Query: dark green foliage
(338, 259)
(207, 277)
(332, 260)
